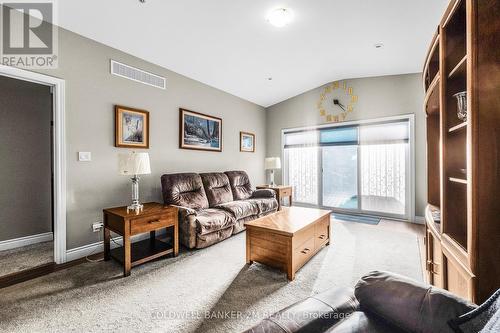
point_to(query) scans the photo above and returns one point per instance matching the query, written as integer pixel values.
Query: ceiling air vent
(138, 75)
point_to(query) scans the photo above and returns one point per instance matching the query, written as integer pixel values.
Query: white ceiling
(229, 45)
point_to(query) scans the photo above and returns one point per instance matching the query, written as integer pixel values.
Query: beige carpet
(178, 295)
(25, 257)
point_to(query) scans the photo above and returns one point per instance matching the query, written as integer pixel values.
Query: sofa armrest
(314, 314)
(184, 211)
(408, 304)
(264, 193)
(187, 226)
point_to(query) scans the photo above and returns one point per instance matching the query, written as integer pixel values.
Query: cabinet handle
(155, 221)
(322, 237)
(305, 250)
(432, 267)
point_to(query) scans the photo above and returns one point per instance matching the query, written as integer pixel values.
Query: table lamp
(272, 163)
(134, 164)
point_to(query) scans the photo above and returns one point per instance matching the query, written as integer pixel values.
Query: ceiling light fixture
(280, 17)
(378, 45)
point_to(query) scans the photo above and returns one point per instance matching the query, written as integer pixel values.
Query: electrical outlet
(96, 227)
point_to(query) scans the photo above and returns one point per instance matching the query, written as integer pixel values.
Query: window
(360, 167)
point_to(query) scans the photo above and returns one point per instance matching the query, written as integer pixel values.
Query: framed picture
(199, 131)
(247, 142)
(131, 127)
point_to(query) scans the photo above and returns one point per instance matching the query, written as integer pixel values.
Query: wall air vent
(137, 75)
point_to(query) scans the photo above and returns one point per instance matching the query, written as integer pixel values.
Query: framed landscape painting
(247, 142)
(131, 127)
(199, 131)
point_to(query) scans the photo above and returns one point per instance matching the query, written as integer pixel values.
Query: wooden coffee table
(288, 239)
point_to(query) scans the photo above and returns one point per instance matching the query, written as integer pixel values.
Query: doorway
(58, 156)
(363, 167)
(26, 219)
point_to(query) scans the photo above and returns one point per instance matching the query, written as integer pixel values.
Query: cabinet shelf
(431, 66)
(460, 68)
(458, 127)
(431, 100)
(457, 180)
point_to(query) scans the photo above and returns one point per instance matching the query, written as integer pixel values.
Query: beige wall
(91, 92)
(25, 192)
(378, 97)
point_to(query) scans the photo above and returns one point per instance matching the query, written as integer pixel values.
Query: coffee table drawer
(321, 233)
(151, 223)
(303, 253)
(303, 236)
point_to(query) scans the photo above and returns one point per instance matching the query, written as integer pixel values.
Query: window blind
(376, 133)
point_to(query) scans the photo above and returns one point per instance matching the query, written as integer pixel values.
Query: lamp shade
(134, 164)
(272, 163)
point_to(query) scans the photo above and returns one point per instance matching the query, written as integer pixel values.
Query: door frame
(411, 181)
(59, 146)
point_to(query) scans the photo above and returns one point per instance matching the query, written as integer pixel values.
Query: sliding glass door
(359, 168)
(340, 177)
(339, 161)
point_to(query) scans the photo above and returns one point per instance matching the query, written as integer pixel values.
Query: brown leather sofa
(214, 206)
(381, 302)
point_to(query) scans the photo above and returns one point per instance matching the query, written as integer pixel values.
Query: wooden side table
(154, 217)
(282, 191)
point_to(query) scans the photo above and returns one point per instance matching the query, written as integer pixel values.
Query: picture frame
(131, 127)
(247, 142)
(198, 131)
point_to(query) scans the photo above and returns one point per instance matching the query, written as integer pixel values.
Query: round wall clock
(336, 101)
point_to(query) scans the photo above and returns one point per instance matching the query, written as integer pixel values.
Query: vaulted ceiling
(228, 44)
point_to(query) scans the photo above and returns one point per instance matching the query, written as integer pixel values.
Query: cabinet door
(434, 260)
(456, 278)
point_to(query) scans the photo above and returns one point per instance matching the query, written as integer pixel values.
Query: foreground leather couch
(381, 302)
(214, 206)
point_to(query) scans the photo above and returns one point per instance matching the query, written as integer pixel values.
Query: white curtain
(383, 170)
(302, 169)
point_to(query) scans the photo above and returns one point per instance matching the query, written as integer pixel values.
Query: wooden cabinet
(434, 260)
(463, 153)
(154, 217)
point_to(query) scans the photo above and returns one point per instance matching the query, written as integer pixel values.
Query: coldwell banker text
(29, 34)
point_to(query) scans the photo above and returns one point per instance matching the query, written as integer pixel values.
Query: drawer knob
(322, 237)
(305, 250)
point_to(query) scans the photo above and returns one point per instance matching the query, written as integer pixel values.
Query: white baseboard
(97, 247)
(28, 240)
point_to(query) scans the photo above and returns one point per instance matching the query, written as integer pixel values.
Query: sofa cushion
(239, 226)
(408, 304)
(240, 184)
(266, 205)
(217, 188)
(264, 193)
(205, 240)
(212, 219)
(184, 189)
(241, 208)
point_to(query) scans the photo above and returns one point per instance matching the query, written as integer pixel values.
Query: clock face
(336, 101)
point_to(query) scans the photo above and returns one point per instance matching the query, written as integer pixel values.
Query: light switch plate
(84, 156)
